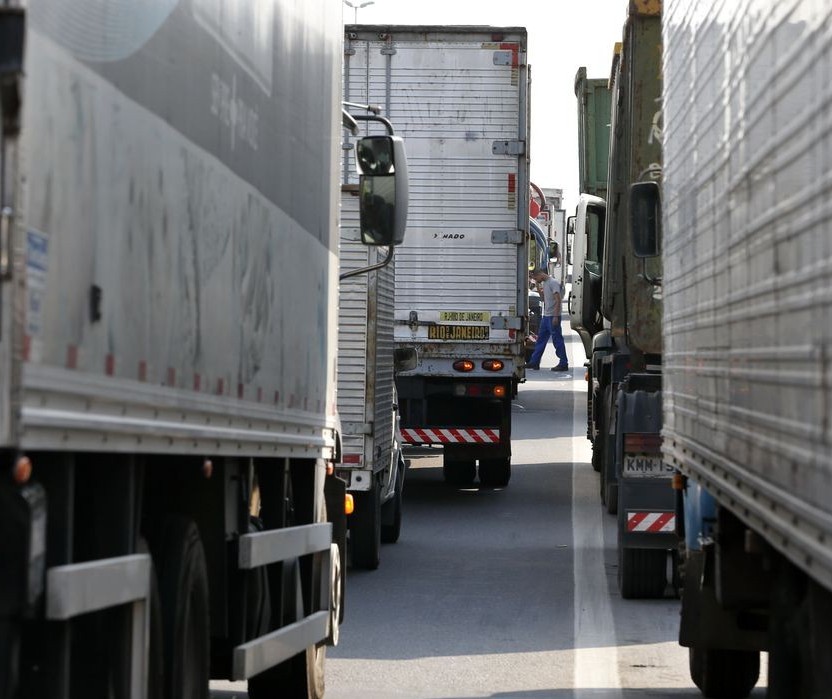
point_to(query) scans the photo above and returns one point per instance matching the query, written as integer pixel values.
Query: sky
(563, 35)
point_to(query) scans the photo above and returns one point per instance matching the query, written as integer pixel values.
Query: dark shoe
(560, 368)
(533, 366)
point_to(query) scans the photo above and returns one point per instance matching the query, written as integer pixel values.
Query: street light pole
(357, 6)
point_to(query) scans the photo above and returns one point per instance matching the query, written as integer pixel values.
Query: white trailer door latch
(506, 323)
(508, 147)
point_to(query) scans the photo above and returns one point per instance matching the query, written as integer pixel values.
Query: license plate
(464, 316)
(646, 467)
(458, 332)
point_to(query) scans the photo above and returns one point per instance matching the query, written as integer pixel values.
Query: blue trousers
(548, 328)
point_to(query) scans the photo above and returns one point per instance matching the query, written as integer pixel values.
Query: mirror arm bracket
(375, 117)
(363, 270)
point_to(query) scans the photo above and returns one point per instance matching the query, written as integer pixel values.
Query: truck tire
(724, 674)
(642, 573)
(495, 473)
(183, 590)
(459, 473)
(391, 511)
(301, 676)
(365, 528)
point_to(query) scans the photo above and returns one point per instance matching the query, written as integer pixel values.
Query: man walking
(549, 322)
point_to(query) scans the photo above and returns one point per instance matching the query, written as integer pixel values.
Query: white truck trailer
(373, 465)
(747, 287)
(168, 430)
(459, 97)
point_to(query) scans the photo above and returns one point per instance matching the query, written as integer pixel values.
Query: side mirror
(553, 250)
(570, 236)
(404, 359)
(645, 218)
(383, 189)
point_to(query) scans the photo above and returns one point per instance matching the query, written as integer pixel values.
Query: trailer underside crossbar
(272, 546)
(267, 651)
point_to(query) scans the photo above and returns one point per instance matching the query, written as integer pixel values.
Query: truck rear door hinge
(515, 147)
(506, 323)
(511, 237)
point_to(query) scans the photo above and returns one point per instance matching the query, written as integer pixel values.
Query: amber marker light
(678, 481)
(22, 470)
(464, 365)
(499, 391)
(492, 365)
(349, 504)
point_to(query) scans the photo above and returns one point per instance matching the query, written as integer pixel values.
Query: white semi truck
(459, 97)
(168, 430)
(372, 465)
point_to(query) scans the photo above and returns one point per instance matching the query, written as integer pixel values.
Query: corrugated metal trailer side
(747, 336)
(458, 96)
(747, 292)
(366, 400)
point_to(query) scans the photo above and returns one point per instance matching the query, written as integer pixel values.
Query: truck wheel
(724, 674)
(495, 473)
(183, 589)
(642, 573)
(365, 528)
(391, 512)
(302, 676)
(459, 473)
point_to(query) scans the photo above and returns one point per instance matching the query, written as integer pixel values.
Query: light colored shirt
(551, 287)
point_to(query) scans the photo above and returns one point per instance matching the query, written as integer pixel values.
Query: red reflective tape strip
(460, 436)
(512, 182)
(634, 519)
(651, 522)
(72, 357)
(450, 435)
(109, 365)
(661, 524)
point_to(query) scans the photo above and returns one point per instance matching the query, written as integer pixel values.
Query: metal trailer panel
(593, 133)
(365, 346)
(455, 94)
(628, 301)
(176, 229)
(748, 259)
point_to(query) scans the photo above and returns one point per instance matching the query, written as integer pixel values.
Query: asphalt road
(509, 593)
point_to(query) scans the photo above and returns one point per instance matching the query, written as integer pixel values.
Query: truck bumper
(462, 415)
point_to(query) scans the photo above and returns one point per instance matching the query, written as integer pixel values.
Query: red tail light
(636, 443)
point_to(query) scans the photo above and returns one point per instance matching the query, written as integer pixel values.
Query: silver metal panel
(212, 243)
(262, 548)
(353, 340)
(66, 409)
(450, 102)
(267, 651)
(80, 588)
(365, 343)
(748, 263)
